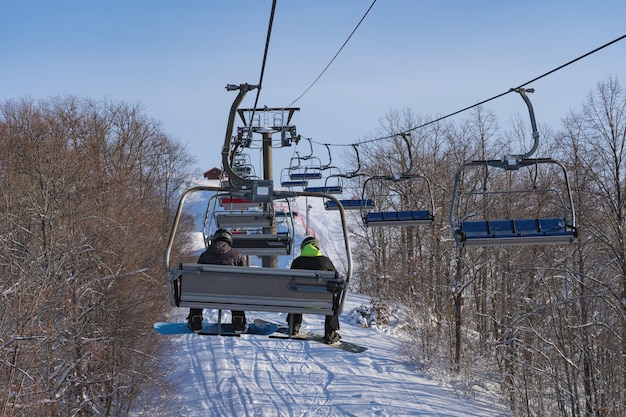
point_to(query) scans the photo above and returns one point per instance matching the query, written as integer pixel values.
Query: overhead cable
(332, 60)
(267, 47)
(494, 97)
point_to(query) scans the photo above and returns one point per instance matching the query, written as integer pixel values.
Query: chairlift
(349, 204)
(309, 171)
(517, 200)
(333, 183)
(350, 199)
(400, 200)
(246, 288)
(306, 172)
(353, 202)
(285, 210)
(249, 227)
(242, 166)
(286, 181)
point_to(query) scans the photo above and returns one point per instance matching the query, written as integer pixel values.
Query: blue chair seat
(324, 189)
(305, 175)
(514, 232)
(295, 183)
(398, 218)
(351, 204)
(374, 217)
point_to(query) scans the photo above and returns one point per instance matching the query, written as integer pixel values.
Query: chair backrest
(256, 289)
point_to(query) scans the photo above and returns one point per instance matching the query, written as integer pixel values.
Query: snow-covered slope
(259, 376)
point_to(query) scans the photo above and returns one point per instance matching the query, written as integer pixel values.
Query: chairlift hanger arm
(406, 136)
(330, 158)
(358, 163)
(233, 178)
(298, 158)
(310, 155)
(533, 123)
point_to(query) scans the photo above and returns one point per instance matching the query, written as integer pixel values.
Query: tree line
(543, 325)
(87, 192)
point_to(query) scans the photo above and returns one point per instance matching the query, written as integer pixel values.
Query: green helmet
(310, 239)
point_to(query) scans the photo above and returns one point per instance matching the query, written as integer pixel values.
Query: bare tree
(594, 141)
(83, 215)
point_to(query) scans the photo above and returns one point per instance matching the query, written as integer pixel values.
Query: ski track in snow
(260, 376)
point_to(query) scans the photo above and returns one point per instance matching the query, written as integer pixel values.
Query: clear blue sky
(434, 57)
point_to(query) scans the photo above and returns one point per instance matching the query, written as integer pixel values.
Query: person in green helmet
(311, 258)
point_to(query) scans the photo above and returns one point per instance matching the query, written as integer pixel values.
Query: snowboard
(313, 337)
(210, 329)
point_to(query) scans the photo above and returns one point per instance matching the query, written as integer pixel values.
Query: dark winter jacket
(312, 259)
(221, 253)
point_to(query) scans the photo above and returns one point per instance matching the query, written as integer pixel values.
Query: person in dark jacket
(220, 252)
(311, 258)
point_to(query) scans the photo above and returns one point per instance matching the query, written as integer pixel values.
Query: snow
(260, 376)
(255, 375)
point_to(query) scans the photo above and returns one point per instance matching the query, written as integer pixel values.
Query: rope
(332, 60)
(492, 98)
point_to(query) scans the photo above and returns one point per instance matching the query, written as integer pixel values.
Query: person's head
(310, 240)
(222, 235)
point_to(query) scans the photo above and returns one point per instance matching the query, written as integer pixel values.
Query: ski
(211, 329)
(312, 337)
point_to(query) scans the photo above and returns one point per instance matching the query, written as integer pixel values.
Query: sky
(258, 376)
(433, 57)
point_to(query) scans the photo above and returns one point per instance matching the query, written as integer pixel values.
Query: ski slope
(260, 376)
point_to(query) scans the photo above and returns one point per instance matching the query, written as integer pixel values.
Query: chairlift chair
(246, 288)
(523, 213)
(287, 182)
(248, 227)
(350, 199)
(307, 167)
(242, 166)
(306, 173)
(401, 200)
(333, 183)
(517, 200)
(349, 204)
